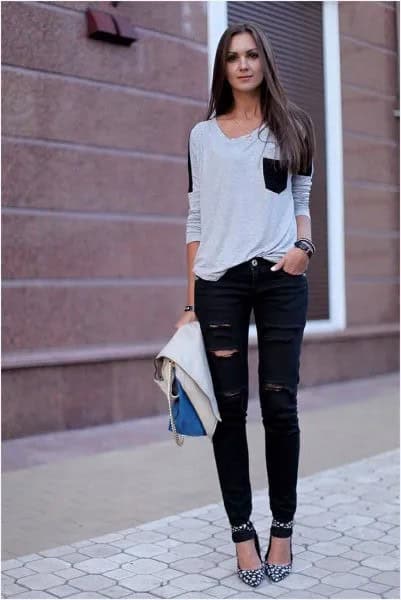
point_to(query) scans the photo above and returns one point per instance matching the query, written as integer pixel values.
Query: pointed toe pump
(240, 533)
(283, 530)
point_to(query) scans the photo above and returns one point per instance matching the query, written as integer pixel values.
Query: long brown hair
(291, 126)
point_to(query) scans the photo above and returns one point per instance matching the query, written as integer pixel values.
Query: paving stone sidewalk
(345, 543)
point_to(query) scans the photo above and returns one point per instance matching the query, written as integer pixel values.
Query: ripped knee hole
(273, 386)
(224, 353)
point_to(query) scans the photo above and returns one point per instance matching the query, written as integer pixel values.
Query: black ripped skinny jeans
(223, 309)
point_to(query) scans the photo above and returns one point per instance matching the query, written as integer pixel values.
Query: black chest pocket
(275, 176)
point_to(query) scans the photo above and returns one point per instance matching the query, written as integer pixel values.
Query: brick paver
(346, 545)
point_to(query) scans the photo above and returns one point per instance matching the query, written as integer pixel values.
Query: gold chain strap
(178, 437)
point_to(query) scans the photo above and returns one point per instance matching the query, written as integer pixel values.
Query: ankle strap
(281, 528)
(240, 533)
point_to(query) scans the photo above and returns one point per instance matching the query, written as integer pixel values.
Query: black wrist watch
(188, 307)
(304, 246)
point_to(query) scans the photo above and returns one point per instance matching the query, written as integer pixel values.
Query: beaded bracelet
(309, 242)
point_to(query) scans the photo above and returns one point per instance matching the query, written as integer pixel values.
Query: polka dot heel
(240, 533)
(278, 572)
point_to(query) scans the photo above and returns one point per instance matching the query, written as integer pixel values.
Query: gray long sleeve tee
(240, 204)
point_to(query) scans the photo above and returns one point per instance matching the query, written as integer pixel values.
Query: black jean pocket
(275, 175)
(291, 274)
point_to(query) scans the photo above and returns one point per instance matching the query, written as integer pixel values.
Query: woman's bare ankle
(247, 555)
(280, 551)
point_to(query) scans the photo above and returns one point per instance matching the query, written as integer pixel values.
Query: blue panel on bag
(185, 416)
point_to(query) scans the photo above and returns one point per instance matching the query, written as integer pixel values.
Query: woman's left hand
(294, 262)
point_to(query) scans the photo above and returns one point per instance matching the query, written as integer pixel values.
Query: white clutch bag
(184, 355)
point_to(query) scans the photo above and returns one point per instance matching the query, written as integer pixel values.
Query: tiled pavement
(346, 545)
(62, 487)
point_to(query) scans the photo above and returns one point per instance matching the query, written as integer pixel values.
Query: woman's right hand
(187, 317)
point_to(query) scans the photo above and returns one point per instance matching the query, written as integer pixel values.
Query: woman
(250, 167)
